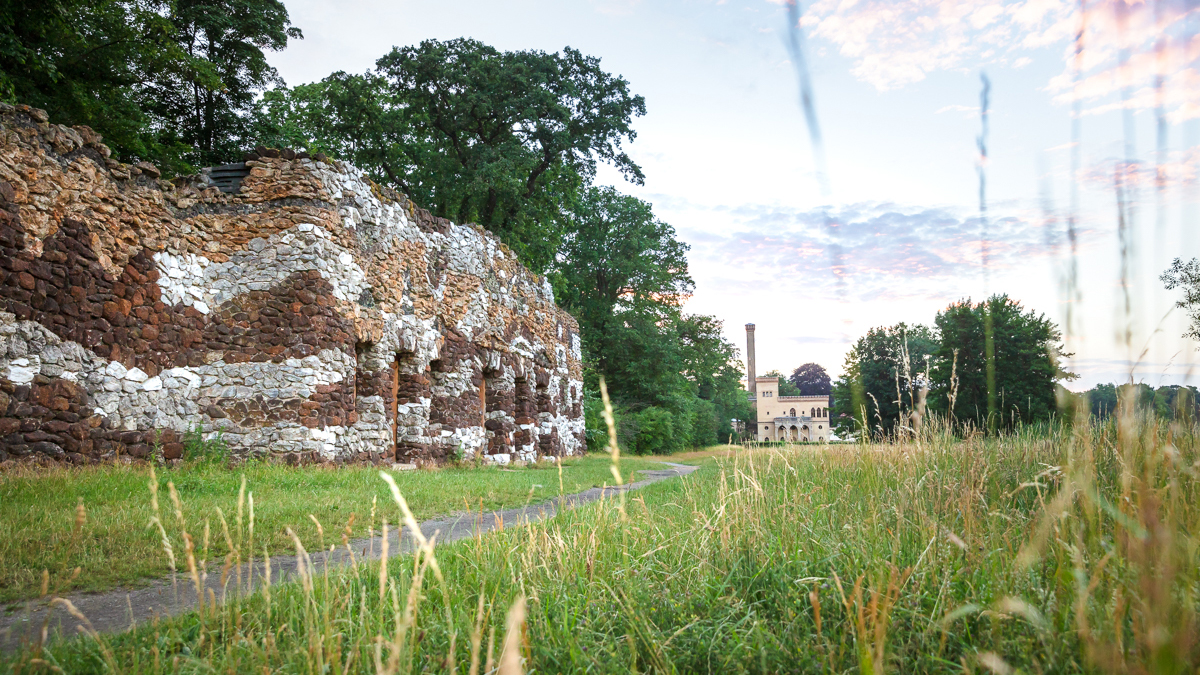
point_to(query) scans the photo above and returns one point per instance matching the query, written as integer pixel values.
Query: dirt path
(121, 609)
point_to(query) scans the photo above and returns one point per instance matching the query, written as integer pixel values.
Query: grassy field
(44, 528)
(1073, 552)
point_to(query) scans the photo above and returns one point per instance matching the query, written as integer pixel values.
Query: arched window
(812, 412)
(793, 412)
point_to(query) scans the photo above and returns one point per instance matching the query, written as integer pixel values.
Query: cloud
(866, 250)
(1178, 170)
(899, 42)
(1126, 45)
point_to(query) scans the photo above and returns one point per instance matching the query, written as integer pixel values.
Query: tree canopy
(508, 140)
(1027, 350)
(882, 376)
(810, 379)
(888, 368)
(171, 82)
(624, 275)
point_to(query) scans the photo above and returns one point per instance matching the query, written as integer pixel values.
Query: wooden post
(395, 404)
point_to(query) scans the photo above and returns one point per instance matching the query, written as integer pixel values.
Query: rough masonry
(308, 314)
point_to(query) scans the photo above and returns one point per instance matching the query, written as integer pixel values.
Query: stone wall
(311, 314)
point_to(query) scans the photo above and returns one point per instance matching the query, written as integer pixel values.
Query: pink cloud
(1127, 44)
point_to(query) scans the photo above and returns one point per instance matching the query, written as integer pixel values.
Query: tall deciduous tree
(507, 140)
(1027, 351)
(624, 275)
(82, 61)
(811, 379)
(170, 81)
(204, 99)
(882, 376)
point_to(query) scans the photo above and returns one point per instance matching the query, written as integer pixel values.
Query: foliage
(656, 432)
(1168, 402)
(887, 370)
(1027, 364)
(624, 275)
(166, 81)
(882, 378)
(204, 99)
(1061, 553)
(197, 448)
(503, 139)
(810, 379)
(1187, 277)
(83, 61)
(786, 388)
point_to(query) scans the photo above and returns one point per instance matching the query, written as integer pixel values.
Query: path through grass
(113, 546)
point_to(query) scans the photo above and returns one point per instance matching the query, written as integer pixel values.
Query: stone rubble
(312, 315)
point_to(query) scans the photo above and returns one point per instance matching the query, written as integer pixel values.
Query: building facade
(783, 418)
(789, 418)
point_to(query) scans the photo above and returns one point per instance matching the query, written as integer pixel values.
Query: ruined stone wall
(311, 314)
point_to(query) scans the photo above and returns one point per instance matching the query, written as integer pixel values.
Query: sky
(880, 222)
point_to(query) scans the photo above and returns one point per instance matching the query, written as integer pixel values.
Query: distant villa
(783, 418)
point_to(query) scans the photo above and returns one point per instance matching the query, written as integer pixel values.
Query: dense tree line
(1167, 402)
(989, 365)
(508, 140)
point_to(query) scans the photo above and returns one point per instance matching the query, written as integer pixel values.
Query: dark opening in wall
(361, 380)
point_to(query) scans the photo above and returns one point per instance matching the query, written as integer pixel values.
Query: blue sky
(728, 162)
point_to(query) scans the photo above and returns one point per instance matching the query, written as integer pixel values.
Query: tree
(619, 271)
(204, 100)
(1186, 276)
(786, 388)
(170, 81)
(1027, 363)
(882, 377)
(810, 379)
(624, 275)
(508, 140)
(82, 61)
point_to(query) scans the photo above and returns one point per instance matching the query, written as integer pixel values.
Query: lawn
(1068, 550)
(45, 529)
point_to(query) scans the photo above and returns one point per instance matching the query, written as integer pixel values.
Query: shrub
(656, 432)
(196, 448)
(704, 424)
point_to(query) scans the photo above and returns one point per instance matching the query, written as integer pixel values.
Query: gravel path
(121, 609)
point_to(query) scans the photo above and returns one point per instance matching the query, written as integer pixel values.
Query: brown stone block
(172, 450)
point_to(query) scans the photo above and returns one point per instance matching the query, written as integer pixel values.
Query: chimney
(751, 386)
